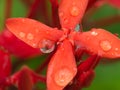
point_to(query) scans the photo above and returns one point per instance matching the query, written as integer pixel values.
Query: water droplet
(116, 49)
(94, 33)
(105, 45)
(74, 11)
(30, 36)
(34, 45)
(61, 14)
(77, 28)
(22, 34)
(47, 46)
(63, 77)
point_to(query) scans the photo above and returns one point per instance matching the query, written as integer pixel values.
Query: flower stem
(33, 8)
(55, 17)
(8, 8)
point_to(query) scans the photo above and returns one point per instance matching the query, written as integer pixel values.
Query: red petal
(62, 67)
(101, 42)
(5, 65)
(26, 76)
(115, 3)
(71, 12)
(16, 46)
(25, 80)
(32, 32)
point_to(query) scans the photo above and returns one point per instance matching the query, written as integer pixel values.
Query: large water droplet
(105, 45)
(63, 77)
(47, 46)
(74, 11)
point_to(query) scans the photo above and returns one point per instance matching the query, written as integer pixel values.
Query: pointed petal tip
(101, 42)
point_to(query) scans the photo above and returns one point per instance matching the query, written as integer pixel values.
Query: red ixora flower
(62, 67)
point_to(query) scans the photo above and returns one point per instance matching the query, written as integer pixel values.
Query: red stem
(44, 64)
(55, 16)
(34, 8)
(27, 2)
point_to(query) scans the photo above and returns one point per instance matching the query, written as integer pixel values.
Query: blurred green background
(107, 72)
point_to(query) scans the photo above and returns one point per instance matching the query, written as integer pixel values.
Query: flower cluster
(66, 44)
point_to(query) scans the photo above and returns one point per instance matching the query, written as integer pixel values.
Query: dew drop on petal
(22, 34)
(77, 28)
(94, 33)
(116, 49)
(34, 45)
(105, 45)
(63, 77)
(47, 46)
(74, 11)
(30, 36)
(61, 14)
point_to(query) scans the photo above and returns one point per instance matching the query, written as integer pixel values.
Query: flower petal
(32, 32)
(101, 42)
(115, 3)
(16, 46)
(62, 67)
(71, 12)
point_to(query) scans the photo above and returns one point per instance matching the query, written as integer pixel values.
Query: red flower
(62, 67)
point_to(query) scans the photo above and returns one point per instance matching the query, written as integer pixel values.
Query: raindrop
(74, 11)
(63, 76)
(30, 36)
(77, 29)
(47, 46)
(116, 49)
(61, 14)
(34, 45)
(105, 45)
(94, 33)
(22, 34)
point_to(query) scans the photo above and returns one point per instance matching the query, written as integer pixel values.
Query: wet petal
(101, 42)
(32, 32)
(71, 12)
(62, 67)
(16, 46)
